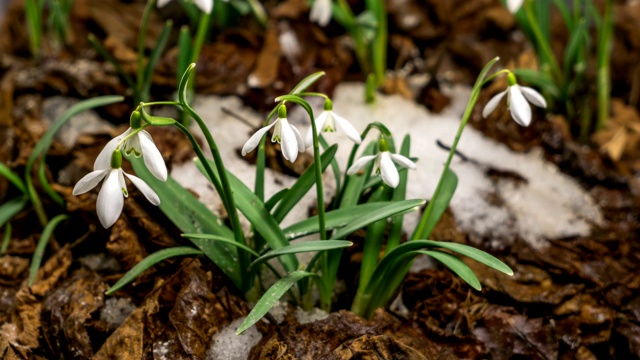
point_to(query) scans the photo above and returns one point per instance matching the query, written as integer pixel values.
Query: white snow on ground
(548, 205)
(226, 345)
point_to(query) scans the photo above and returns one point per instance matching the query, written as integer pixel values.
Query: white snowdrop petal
(254, 140)
(162, 3)
(519, 107)
(299, 140)
(514, 5)
(89, 181)
(321, 12)
(359, 164)
(533, 96)
(348, 129)
(205, 5)
(403, 161)
(152, 157)
(103, 161)
(289, 143)
(320, 120)
(388, 170)
(146, 190)
(492, 104)
(110, 200)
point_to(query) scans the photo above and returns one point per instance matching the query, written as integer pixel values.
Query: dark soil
(577, 299)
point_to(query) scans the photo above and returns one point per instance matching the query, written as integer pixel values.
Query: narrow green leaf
(44, 182)
(254, 210)
(12, 177)
(270, 297)
(150, 261)
(399, 194)
(225, 240)
(382, 212)
(334, 219)
(302, 185)
(456, 265)
(6, 238)
(191, 216)
(42, 245)
(273, 200)
(161, 42)
(307, 246)
(184, 51)
(306, 83)
(11, 208)
(440, 201)
(576, 43)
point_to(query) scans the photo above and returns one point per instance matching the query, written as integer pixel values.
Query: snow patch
(229, 346)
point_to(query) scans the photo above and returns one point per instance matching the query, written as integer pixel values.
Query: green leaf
(306, 83)
(273, 200)
(183, 86)
(456, 265)
(270, 297)
(161, 42)
(191, 216)
(5, 239)
(307, 246)
(225, 240)
(11, 208)
(12, 177)
(184, 51)
(44, 182)
(334, 219)
(302, 185)
(42, 245)
(382, 212)
(258, 215)
(577, 41)
(440, 201)
(150, 261)
(399, 194)
(354, 184)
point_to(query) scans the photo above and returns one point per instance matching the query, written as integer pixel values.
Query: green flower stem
(418, 232)
(201, 33)
(142, 37)
(33, 14)
(161, 103)
(604, 70)
(357, 35)
(223, 188)
(543, 44)
(260, 161)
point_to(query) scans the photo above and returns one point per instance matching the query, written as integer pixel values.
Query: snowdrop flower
(383, 164)
(139, 143)
(329, 121)
(284, 134)
(514, 5)
(517, 97)
(114, 189)
(204, 5)
(321, 12)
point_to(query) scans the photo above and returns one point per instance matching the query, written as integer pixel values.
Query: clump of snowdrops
(370, 193)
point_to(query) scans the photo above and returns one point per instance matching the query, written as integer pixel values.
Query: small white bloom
(204, 5)
(514, 5)
(321, 12)
(383, 165)
(517, 97)
(114, 189)
(284, 134)
(139, 144)
(329, 121)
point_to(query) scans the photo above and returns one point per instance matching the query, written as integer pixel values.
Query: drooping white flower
(383, 165)
(514, 5)
(204, 5)
(329, 121)
(138, 144)
(114, 189)
(517, 97)
(321, 12)
(284, 134)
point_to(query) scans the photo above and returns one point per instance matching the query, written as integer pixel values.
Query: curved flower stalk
(517, 97)
(383, 164)
(204, 5)
(284, 133)
(329, 121)
(110, 202)
(321, 12)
